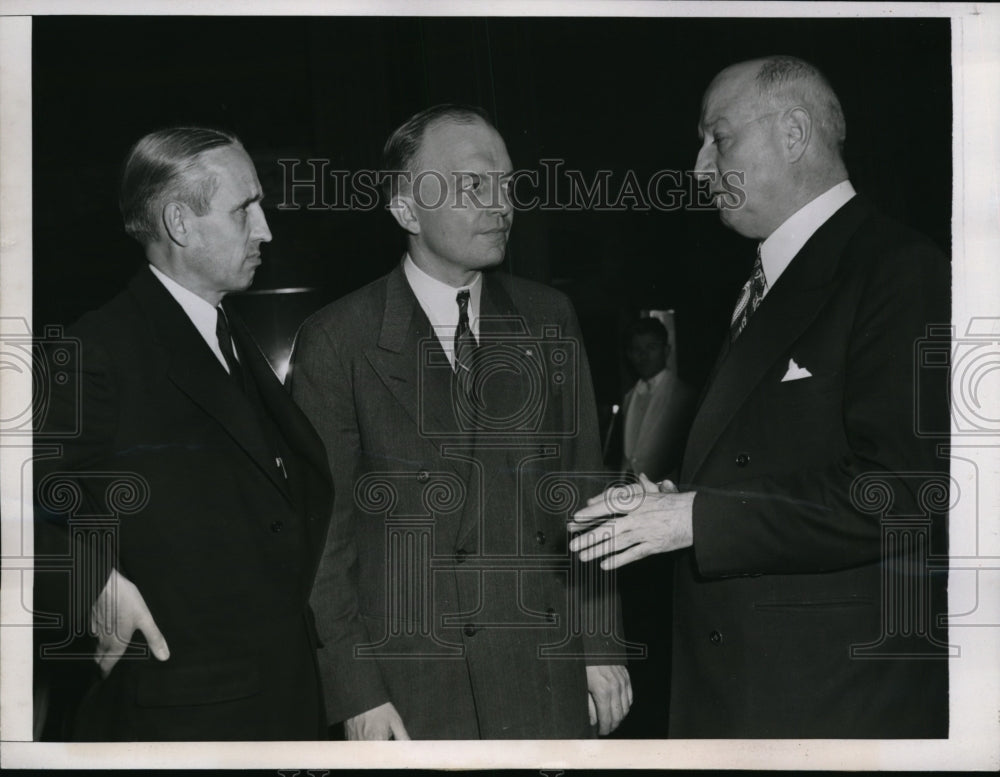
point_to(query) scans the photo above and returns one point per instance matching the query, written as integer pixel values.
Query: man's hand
(656, 519)
(382, 722)
(117, 614)
(610, 696)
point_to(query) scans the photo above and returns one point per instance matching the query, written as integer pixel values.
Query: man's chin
(731, 218)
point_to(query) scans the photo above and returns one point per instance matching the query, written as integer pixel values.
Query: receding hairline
(782, 81)
(442, 121)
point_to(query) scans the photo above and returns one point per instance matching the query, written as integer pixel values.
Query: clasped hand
(648, 518)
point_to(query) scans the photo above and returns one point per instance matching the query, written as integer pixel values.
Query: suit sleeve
(595, 589)
(809, 520)
(322, 386)
(76, 423)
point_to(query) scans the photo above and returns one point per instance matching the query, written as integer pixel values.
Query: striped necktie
(465, 341)
(750, 297)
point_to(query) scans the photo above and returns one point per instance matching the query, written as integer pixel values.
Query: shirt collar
(438, 301)
(202, 314)
(642, 386)
(781, 246)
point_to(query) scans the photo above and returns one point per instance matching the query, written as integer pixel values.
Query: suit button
(742, 459)
(550, 615)
(460, 555)
(423, 476)
(715, 638)
(277, 526)
(540, 537)
(470, 630)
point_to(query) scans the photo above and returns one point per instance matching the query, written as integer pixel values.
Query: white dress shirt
(655, 415)
(438, 301)
(203, 314)
(781, 246)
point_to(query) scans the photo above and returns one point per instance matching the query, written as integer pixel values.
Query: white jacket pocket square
(795, 372)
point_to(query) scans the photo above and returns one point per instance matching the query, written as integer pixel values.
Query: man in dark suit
(217, 547)
(458, 413)
(804, 602)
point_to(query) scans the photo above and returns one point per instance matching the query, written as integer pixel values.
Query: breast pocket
(818, 390)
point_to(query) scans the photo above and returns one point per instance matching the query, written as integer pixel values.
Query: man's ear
(404, 211)
(176, 218)
(797, 124)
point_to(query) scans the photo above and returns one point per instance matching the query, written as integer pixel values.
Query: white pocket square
(795, 372)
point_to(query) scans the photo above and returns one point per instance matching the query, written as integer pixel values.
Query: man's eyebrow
(250, 200)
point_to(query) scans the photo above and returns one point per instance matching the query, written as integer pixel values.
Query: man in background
(222, 484)
(657, 408)
(455, 402)
(805, 492)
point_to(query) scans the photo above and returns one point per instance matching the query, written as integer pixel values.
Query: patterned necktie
(750, 297)
(465, 341)
(226, 346)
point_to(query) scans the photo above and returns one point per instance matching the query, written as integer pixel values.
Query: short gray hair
(782, 78)
(163, 166)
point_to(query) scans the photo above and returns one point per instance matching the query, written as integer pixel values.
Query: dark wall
(616, 94)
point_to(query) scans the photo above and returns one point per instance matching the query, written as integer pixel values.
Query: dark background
(618, 94)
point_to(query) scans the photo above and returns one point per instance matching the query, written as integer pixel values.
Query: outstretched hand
(650, 519)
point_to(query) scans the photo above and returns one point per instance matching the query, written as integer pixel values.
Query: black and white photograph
(527, 386)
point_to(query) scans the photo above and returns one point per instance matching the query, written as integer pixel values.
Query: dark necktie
(226, 346)
(750, 297)
(465, 341)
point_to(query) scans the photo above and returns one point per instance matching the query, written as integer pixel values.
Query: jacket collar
(790, 307)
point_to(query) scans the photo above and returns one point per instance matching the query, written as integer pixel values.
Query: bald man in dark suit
(808, 503)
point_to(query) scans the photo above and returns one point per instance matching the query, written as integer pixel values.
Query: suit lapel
(788, 309)
(405, 340)
(195, 370)
(291, 422)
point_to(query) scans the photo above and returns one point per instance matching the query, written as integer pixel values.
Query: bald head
(773, 133)
(786, 81)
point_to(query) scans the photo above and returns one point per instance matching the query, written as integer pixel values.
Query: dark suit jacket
(795, 564)
(446, 586)
(222, 547)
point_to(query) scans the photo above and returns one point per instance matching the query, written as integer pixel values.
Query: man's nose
(504, 201)
(260, 231)
(704, 165)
